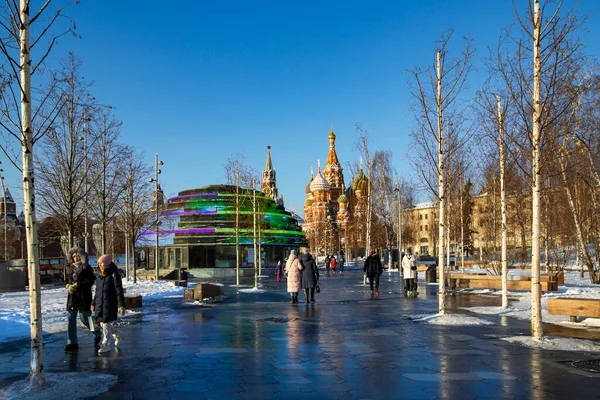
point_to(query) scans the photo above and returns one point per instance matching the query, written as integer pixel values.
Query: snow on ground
(450, 320)
(555, 343)
(520, 301)
(65, 385)
(251, 290)
(14, 307)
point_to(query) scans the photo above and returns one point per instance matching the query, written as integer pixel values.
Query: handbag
(317, 288)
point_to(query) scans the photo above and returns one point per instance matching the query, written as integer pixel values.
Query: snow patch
(68, 385)
(451, 319)
(555, 343)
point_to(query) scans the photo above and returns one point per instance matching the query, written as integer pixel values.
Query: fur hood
(77, 250)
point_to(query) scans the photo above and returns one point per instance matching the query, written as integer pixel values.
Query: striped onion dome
(319, 184)
(342, 198)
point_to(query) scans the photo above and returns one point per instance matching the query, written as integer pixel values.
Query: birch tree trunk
(504, 259)
(441, 194)
(581, 245)
(36, 368)
(237, 227)
(536, 293)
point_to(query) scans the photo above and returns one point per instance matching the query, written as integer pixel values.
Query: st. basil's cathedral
(333, 214)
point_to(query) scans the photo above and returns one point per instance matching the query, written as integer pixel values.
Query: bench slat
(574, 307)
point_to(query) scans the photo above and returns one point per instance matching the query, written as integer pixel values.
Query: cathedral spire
(269, 184)
(269, 164)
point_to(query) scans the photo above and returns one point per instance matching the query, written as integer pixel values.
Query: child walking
(108, 301)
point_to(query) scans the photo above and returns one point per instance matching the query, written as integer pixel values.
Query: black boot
(312, 295)
(307, 295)
(296, 298)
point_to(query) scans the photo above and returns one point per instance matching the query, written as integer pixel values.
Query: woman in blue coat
(109, 301)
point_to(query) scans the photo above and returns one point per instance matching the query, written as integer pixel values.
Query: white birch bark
(441, 194)
(237, 227)
(536, 293)
(504, 259)
(36, 368)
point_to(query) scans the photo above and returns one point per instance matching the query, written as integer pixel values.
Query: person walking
(293, 270)
(79, 279)
(409, 269)
(108, 302)
(342, 261)
(310, 275)
(327, 265)
(373, 269)
(278, 270)
(333, 264)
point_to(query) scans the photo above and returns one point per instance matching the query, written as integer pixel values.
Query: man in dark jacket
(109, 301)
(79, 278)
(373, 269)
(310, 275)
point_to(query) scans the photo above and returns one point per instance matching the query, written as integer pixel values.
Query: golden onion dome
(360, 182)
(308, 202)
(307, 190)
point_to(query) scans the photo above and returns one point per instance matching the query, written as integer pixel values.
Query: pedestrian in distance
(342, 262)
(109, 301)
(373, 269)
(310, 275)
(79, 279)
(278, 270)
(409, 269)
(327, 265)
(333, 264)
(293, 270)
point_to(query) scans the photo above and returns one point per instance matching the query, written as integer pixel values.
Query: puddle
(592, 366)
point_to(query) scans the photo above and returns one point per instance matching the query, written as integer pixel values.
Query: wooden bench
(423, 267)
(133, 301)
(495, 282)
(553, 276)
(574, 307)
(203, 291)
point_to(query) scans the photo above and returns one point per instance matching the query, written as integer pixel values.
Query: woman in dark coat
(310, 275)
(109, 301)
(79, 278)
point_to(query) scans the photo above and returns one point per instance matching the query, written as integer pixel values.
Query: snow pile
(451, 320)
(555, 343)
(68, 385)
(251, 290)
(14, 307)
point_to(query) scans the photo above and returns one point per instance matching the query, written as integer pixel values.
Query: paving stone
(346, 346)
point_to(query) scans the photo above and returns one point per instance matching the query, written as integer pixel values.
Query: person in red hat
(373, 269)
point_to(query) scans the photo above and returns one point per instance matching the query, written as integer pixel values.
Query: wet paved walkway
(348, 345)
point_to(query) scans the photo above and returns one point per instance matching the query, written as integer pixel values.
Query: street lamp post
(157, 172)
(397, 190)
(5, 215)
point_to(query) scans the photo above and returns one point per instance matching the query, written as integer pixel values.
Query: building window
(420, 216)
(426, 227)
(421, 228)
(426, 215)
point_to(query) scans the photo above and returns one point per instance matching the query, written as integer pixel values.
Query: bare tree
(435, 93)
(548, 39)
(363, 146)
(106, 177)
(137, 200)
(62, 159)
(19, 120)
(242, 176)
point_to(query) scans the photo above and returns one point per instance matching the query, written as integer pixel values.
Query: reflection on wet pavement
(348, 345)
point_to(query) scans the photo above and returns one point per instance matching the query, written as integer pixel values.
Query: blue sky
(204, 80)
